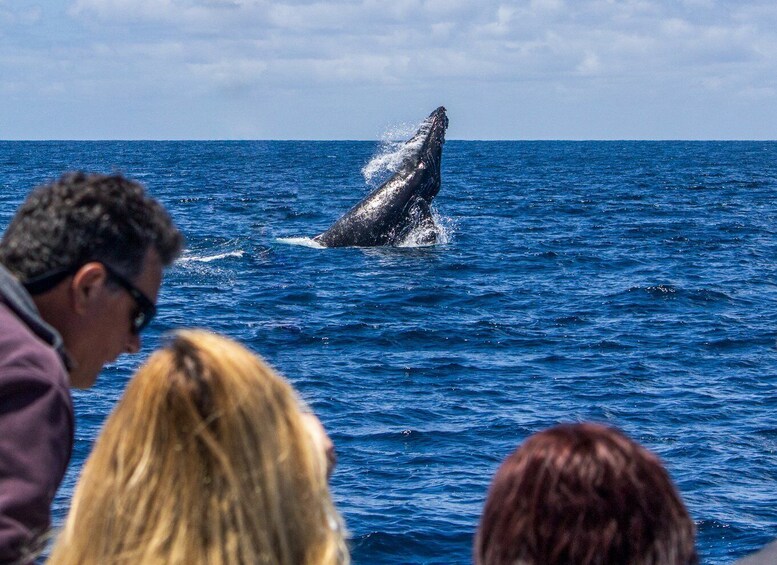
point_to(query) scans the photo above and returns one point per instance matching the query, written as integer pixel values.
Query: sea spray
(210, 258)
(393, 149)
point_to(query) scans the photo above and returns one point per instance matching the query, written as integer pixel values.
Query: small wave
(209, 258)
(569, 320)
(668, 291)
(661, 289)
(730, 343)
(303, 241)
(705, 295)
(610, 345)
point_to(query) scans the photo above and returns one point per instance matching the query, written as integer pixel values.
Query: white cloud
(353, 39)
(15, 16)
(319, 17)
(676, 27)
(250, 48)
(590, 65)
(191, 14)
(547, 5)
(132, 9)
(761, 93)
(231, 74)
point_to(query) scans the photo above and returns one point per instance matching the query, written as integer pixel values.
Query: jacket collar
(20, 301)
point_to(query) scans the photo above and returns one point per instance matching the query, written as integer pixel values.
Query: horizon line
(308, 140)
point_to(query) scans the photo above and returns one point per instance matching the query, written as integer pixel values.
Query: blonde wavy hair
(206, 459)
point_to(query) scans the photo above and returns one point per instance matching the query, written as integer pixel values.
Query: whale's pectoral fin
(421, 229)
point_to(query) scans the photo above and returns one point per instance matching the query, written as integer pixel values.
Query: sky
(354, 69)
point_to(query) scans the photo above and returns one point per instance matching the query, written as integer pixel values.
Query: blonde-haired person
(207, 458)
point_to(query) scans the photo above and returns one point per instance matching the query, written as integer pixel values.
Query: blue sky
(350, 69)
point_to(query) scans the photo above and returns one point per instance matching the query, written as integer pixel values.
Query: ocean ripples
(630, 283)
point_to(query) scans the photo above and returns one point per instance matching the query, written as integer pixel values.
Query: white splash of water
(209, 258)
(303, 241)
(392, 152)
(423, 234)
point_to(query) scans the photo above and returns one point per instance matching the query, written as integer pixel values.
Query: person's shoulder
(766, 556)
(24, 354)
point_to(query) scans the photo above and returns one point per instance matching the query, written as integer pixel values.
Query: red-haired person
(583, 494)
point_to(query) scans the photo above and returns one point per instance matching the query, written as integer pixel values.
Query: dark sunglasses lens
(138, 322)
(146, 310)
(142, 319)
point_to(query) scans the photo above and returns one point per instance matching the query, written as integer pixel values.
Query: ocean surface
(629, 283)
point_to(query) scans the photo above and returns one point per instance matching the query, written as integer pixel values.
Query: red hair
(583, 494)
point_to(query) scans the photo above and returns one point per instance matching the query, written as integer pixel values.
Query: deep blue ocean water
(630, 283)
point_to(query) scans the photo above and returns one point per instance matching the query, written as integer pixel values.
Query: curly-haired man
(80, 269)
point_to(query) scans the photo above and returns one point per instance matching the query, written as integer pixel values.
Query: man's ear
(86, 285)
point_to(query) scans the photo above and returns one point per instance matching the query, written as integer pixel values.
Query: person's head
(90, 249)
(583, 494)
(206, 459)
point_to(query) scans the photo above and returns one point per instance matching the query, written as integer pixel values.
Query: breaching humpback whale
(400, 205)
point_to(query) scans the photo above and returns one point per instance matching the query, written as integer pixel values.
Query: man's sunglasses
(145, 307)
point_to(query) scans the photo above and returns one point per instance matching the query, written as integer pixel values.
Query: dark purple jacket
(36, 419)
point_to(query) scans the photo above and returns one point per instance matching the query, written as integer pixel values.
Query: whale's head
(438, 121)
(433, 130)
(430, 134)
(430, 154)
